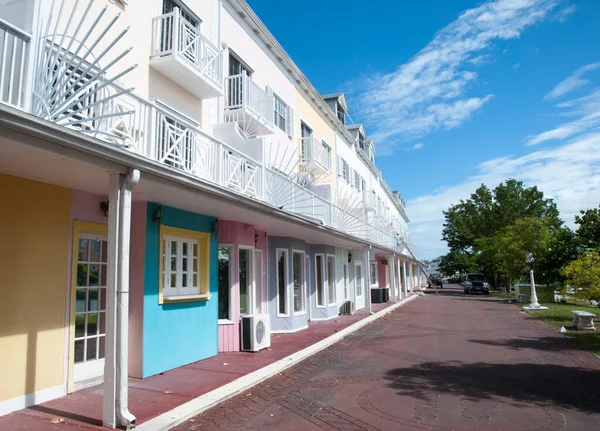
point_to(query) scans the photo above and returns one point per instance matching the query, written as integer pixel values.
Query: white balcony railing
(242, 93)
(156, 132)
(173, 35)
(369, 200)
(117, 116)
(314, 151)
(14, 54)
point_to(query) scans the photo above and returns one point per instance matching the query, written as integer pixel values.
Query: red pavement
(445, 362)
(83, 409)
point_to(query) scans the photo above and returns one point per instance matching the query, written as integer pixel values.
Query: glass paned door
(245, 280)
(90, 306)
(258, 281)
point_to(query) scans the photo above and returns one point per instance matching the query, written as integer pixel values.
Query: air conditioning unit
(256, 334)
(349, 308)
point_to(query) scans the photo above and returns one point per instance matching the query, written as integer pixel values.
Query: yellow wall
(321, 130)
(34, 245)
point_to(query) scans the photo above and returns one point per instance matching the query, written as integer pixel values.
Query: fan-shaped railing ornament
(72, 86)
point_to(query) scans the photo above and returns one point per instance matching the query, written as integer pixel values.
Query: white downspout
(124, 415)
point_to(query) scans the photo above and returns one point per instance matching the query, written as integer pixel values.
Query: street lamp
(535, 305)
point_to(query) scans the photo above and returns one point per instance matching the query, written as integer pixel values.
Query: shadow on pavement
(551, 344)
(543, 384)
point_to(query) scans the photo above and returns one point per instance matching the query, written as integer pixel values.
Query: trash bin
(376, 296)
(386, 295)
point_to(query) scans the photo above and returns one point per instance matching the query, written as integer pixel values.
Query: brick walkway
(445, 362)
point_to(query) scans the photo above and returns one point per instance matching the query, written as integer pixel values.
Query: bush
(584, 273)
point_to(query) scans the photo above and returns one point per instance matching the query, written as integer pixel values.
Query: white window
(345, 171)
(374, 277)
(357, 181)
(359, 279)
(299, 284)
(282, 283)
(184, 264)
(326, 155)
(280, 113)
(320, 280)
(331, 279)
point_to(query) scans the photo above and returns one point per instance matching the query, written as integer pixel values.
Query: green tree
(588, 231)
(485, 213)
(455, 262)
(584, 273)
(508, 250)
(563, 248)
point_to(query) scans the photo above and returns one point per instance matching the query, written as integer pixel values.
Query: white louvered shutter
(290, 121)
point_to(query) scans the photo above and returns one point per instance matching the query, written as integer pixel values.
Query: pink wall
(382, 272)
(236, 234)
(136, 287)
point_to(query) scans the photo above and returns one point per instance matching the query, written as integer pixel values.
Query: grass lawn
(505, 295)
(560, 315)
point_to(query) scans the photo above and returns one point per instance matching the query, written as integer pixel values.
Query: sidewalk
(156, 395)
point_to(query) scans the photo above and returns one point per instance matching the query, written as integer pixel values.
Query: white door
(346, 283)
(258, 282)
(358, 275)
(246, 281)
(90, 306)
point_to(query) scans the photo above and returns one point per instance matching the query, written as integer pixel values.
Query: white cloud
(430, 91)
(588, 108)
(570, 174)
(573, 82)
(417, 146)
(516, 66)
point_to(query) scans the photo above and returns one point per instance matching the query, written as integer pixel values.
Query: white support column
(400, 281)
(110, 357)
(404, 277)
(411, 278)
(368, 284)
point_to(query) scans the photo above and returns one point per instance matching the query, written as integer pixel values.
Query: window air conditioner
(349, 308)
(255, 333)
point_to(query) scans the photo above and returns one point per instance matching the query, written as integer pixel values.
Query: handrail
(14, 30)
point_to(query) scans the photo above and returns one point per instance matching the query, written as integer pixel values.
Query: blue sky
(459, 93)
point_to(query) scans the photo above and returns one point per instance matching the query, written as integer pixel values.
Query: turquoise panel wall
(177, 334)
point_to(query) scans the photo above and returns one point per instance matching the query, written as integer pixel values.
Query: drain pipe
(123, 414)
(369, 306)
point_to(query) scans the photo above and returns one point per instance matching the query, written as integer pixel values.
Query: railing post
(176, 31)
(245, 90)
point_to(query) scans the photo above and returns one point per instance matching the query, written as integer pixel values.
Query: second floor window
(326, 155)
(357, 181)
(345, 171)
(280, 113)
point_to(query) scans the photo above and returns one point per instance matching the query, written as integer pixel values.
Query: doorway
(88, 309)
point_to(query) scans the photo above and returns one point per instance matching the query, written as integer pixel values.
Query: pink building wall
(236, 234)
(382, 272)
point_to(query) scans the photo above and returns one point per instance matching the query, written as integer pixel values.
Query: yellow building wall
(34, 246)
(321, 131)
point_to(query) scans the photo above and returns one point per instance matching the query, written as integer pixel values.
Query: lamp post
(535, 305)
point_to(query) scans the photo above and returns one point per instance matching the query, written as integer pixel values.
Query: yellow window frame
(203, 239)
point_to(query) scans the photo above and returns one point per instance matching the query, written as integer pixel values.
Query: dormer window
(362, 144)
(340, 113)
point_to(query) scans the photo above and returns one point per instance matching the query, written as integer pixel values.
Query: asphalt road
(443, 362)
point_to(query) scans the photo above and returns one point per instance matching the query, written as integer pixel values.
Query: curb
(182, 413)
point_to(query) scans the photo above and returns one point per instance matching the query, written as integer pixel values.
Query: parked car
(434, 280)
(476, 283)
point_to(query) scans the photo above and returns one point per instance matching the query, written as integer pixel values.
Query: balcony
(348, 197)
(14, 54)
(315, 156)
(369, 200)
(182, 53)
(249, 106)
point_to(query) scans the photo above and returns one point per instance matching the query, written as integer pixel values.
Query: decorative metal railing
(315, 151)
(172, 34)
(14, 54)
(73, 87)
(241, 92)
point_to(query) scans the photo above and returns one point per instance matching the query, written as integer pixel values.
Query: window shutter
(351, 174)
(290, 121)
(340, 167)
